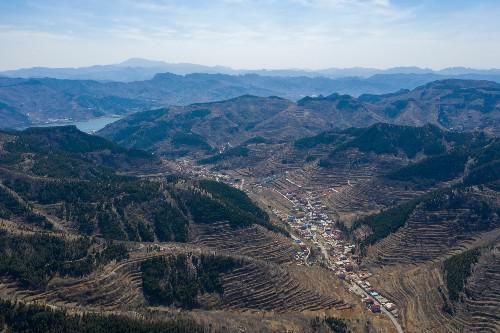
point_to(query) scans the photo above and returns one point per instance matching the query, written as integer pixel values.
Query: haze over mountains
(138, 69)
(45, 100)
(451, 104)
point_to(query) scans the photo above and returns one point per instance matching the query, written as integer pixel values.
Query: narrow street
(364, 292)
(313, 228)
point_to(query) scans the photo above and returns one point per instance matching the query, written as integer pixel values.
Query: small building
(390, 306)
(375, 308)
(368, 301)
(382, 299)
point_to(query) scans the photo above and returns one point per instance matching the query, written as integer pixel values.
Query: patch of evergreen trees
(240, 151)
(225, 203)
(171, 280)
(386, 222)
(11, 208)
(33, 260)
(437, 168)
(22, 318)
(322, 138)
(457, 270)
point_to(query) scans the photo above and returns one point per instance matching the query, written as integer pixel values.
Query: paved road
(325, 252)
(393, 319)
(384, 310)
(306, 258)
(326, 255)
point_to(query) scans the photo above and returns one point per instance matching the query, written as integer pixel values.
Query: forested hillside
(62, 178)
(214, 132)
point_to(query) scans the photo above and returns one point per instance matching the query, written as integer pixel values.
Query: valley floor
(307, 212)
(401, 274)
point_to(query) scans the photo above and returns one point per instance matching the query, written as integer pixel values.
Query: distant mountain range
(24, 102)
(203, 129)
(137, 69)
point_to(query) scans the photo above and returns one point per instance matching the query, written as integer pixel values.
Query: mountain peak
(141, 62)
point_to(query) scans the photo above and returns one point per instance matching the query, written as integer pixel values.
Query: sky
(252, 34)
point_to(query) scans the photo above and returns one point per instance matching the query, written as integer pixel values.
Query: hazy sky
(252, 33)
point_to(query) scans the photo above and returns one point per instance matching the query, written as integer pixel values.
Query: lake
(88, 126)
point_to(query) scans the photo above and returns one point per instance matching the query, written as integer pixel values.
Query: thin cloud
(252, 33)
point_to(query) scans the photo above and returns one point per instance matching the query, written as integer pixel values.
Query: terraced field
(371, 195)
(431, 234)
(261, 287)
(355, 182)
(420, 291)
(255, 286)
(425, 237)
(254, 241)
(482, 306)
(415, 291)
(115, 286)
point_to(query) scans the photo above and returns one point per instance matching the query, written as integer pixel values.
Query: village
(313, 230)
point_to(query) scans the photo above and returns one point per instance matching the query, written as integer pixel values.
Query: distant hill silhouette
(204, 128)
(47, 99)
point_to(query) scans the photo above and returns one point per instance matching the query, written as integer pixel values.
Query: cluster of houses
(375, 300)
(311, 223)
(308, 216)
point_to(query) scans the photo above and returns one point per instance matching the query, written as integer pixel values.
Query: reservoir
(88, 126)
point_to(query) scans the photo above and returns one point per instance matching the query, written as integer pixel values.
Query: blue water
(89, 126)
(93, 125)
